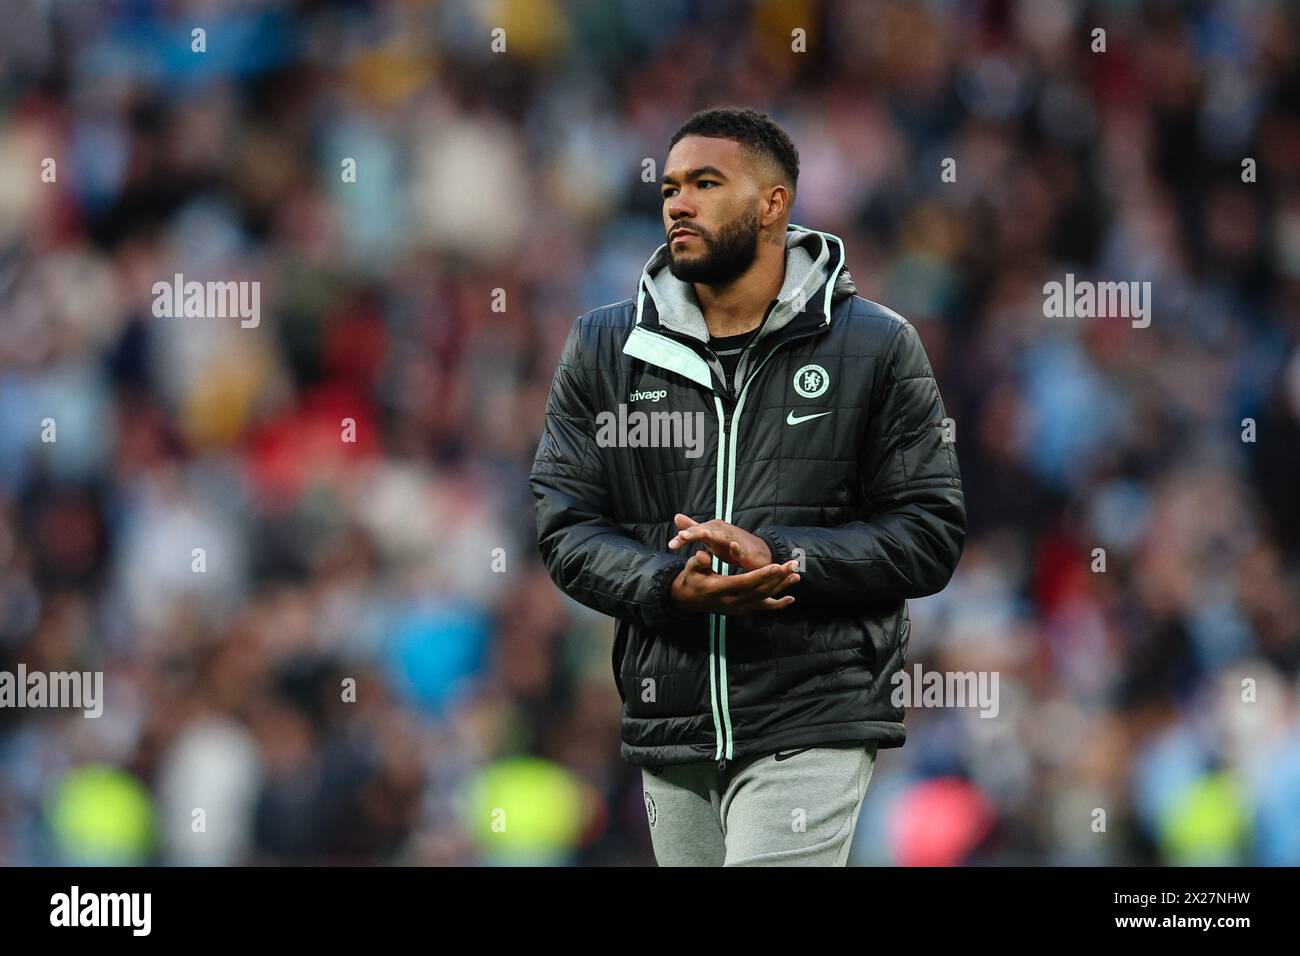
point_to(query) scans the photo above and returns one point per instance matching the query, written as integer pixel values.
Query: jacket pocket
(886, 640)
(904, 632)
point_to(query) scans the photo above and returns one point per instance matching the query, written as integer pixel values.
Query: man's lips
(681, 234)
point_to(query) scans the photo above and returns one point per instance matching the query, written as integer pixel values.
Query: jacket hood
(813, 261)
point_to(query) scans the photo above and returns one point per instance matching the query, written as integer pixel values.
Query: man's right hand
(699, 589)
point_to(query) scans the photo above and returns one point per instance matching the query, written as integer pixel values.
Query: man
(759, 587)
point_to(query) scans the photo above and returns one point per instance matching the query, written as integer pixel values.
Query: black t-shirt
(728, 349)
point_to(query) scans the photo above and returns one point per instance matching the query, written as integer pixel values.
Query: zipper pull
(722, 765)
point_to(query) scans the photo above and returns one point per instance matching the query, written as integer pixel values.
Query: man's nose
(677, 209)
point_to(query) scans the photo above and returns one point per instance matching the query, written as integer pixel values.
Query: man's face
(710, 189)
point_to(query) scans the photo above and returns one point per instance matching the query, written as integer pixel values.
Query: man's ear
(776, 207)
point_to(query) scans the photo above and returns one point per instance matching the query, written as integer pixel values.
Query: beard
(726, 256)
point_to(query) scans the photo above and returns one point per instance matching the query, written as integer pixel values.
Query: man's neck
(741, 305)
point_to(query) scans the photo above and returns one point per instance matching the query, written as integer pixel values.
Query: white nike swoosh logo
(793, 419)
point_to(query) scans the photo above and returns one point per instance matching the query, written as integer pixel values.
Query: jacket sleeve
(589, 556)
(909, 542)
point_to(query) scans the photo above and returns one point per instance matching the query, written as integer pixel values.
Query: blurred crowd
(303, 554)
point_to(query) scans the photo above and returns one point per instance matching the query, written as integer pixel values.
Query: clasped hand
(700, 589)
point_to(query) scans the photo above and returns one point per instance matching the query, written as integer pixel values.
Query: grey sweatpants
(799, 810)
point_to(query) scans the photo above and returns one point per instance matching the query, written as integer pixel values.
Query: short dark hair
(756, 132)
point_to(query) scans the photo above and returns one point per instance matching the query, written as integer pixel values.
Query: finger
(755, 583)
(766, 574)
(789, 581)
(767, 604)
(793, 575)
(785, 580)
(700, 563)
(737, 584)
(687, 530)
(775, 581)
(718, 550)
(693, 532)
(741, 555)
(779, 584)
(714, 537)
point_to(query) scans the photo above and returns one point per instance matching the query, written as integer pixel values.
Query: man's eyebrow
(697, 173)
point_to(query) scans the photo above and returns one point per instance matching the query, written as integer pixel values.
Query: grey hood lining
(807, 265)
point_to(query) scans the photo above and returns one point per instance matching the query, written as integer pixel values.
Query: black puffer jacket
(832, 449)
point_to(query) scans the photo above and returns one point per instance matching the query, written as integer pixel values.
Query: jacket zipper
(718, 662)
(725, 502)
(717, 629)
(740, 361)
